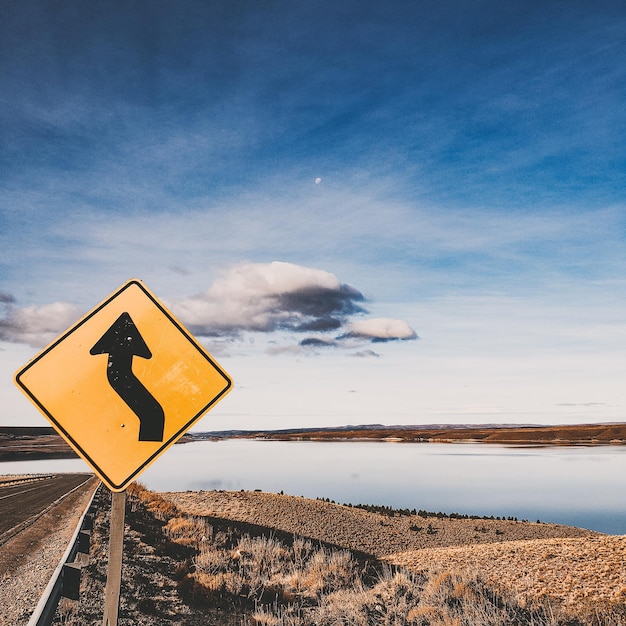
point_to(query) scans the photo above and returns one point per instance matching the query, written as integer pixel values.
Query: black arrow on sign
(122, 342)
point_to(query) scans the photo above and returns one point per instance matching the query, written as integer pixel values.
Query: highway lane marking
(19, 493)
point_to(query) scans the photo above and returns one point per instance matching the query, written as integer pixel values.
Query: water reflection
(571, 485)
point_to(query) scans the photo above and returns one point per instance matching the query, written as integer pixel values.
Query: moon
(318, 181)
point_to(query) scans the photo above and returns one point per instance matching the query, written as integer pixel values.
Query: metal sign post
(116, 548)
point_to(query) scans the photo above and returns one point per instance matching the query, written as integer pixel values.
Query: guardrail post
(88, 521)
(84, 539)
(71, 581)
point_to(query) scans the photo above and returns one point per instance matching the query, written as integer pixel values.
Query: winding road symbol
(138, 374)
(123, 341)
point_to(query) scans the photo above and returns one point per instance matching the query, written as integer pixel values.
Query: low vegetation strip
(15, 479)
(359, 530)
(21, 443)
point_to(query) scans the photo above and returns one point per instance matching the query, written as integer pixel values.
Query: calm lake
(582, 486)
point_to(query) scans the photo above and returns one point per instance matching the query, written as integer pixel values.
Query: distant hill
(583, 434)
(26, 431)
(29, 443)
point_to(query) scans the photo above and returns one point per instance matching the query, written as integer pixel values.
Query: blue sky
(400, 213)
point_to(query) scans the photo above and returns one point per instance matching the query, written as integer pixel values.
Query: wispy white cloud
(393, 248)
(37, 325)
(381, 329)
(384, 243)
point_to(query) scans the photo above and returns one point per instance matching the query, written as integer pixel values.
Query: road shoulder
(28, 559)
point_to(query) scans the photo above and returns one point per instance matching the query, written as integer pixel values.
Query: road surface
(21, 501)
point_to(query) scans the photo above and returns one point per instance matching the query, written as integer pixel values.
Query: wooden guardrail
(65, 580)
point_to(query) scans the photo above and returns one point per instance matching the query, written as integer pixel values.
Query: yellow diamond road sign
(124, 383)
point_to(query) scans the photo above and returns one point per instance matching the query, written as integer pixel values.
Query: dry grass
(161, 508)
(575, 571)
(259, 580)
(250, 570)
(11, 479)
(305, 584)
(581, 574)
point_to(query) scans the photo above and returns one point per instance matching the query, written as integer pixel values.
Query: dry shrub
(424, 614)
(189, 531)
(261, 558)
(158, 506)
(276, 617)
(221, 584)
(262, 618)
(345, 606)
(305, 585)
(441, 585)
(161, 509)
(302, 549)
(210, 561)
(325, 571)
(604, 613)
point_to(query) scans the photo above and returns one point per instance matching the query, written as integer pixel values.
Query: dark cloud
(321, 302)
(366, 354)
(318, 342)
(267, 297)
(321, 324)
(6, 298)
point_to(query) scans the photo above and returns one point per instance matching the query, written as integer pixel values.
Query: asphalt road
(21, 501)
